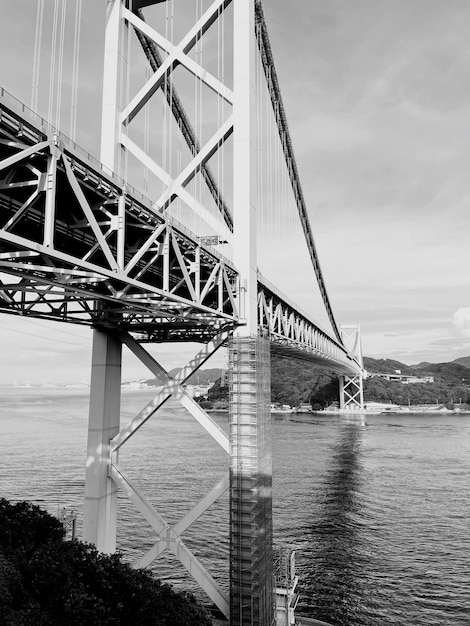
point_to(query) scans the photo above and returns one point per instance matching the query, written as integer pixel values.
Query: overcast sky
(378, 102)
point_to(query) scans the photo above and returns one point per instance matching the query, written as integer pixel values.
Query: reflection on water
(377, 509)
(337, 547)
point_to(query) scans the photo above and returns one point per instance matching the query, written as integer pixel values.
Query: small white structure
(285, 580)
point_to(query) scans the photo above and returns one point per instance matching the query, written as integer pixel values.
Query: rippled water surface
(376, 507)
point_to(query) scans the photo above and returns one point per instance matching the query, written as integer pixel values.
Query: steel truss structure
(104, 475)
(84, 248)
(293, 331)
(351, 394)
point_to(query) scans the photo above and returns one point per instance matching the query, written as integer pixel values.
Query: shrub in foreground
(46, 581)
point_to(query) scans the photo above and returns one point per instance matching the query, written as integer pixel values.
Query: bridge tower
(251, 555)
(351, 394)
(79, 244)
(251, 600)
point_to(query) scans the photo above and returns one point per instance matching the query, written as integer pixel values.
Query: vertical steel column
(351, 394)
(251, 579)
(115, 60)
(245, 160)
(351, 388)
(251, 553)
(99, 521)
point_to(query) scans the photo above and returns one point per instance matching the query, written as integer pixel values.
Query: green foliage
(218, 391)
(440, 392)
(294, 381)
(450, 384)
(46, 581)
(24, 526)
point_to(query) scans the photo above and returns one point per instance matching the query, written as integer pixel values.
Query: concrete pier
(251, 555)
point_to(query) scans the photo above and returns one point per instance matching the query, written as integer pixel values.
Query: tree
(47, 581)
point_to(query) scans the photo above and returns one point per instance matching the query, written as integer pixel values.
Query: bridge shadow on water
(339, 589)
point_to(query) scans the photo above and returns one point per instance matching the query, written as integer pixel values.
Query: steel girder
(77, 245)
(293, 334)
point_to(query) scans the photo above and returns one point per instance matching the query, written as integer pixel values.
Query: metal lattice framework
(84, 248)
(169, 537)
(294, 331)
(351, 392)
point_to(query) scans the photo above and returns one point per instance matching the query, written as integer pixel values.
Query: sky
(377, 98)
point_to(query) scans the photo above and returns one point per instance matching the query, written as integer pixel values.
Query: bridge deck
(79, 245)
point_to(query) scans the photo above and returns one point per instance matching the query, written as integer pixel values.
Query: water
(376, 507)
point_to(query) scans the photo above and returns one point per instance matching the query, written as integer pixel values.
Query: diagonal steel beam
(198, 162)
(178, 55)
(89, 214)
(182, 192)
(155, 60)
(24, 154)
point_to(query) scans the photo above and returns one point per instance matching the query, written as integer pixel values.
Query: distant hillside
(454, 372)
(463, 360)
(293, 382)
(201, 377)
(451, 382)
(421, 365)
(451, 372)
(386, 366)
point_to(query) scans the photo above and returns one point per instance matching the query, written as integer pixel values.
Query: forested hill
(386, 366)
(453, 372)
(201, 377)
(293, 382)
(451, 382)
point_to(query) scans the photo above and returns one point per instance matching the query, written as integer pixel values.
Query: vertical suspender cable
(169, 97)
(199, 109)
(61, 64)
(75, 65)
(37, 55)
(164, 109)
(122, 102)
(197, 225)
(222, 177)
(170, 107)
(219, 105)
(52, 66)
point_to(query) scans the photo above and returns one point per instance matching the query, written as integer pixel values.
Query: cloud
(461, 321)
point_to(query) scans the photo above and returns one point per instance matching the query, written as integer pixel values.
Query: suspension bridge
(191, 227)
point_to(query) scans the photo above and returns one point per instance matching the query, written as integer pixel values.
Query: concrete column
(351, 392)
(115, 67)
(99, 521)
(245, 161)
(251, 552)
